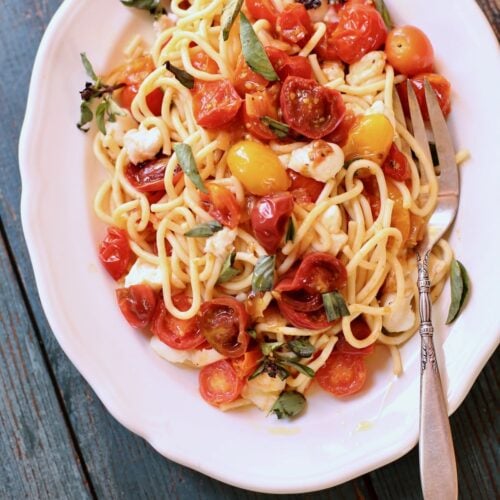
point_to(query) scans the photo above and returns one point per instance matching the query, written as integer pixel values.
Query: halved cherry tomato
(312, 320)
(342, 374)
(224, 323)
(137, 303)
(309, 108)
(325, 47)
(341, 133)
(269, 218)
(246, 364)
(286, 65)
(154, 99)
(294, 24)
(409, 50)
(221, 204)
(219, 383)
(360, 330)
(258, 105)
(299, 299)
(148, 176)
(115, 253)
(215, 103)
(262, 9)
(177, 333)
(203, 62)
(246, 80)
(361, 29)
(396, 165)
(304, 189)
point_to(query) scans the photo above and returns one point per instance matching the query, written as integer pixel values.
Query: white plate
(336, 440)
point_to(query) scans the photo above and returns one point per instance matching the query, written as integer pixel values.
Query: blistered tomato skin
(258, 168)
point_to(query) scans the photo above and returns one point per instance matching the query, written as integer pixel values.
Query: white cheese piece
(368, 67)
(116, 130)
(333, 70)
(221, 243)
(142, 144)
(189, 357)
(263, 391)
(400, 319)
(143, 272)
(331, 219)
(377, 108)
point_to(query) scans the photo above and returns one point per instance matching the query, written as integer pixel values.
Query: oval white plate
(336, 440)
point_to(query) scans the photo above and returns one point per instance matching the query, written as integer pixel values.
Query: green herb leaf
(289, 404)
(231, 11)
(460, 286)
(380, 6)
(86, 116)
(228, 271)
(100, 113)
(204, 230)
(302, 347)
(290, 231)
(253, 51)
(183, 76)
(188, 164)
(299, 367)
(268, 347)
(279, 129)
(252, 332)
(263, 274)
(311, 4)
(335, 305)
(152, 6)
(88, 67)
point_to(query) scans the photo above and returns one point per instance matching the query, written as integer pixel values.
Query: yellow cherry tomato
(400, 216)
(370, 138)
(258, 168)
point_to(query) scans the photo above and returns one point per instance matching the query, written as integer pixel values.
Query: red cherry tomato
(325, 48)
(304, 189)
(219, 383)
(298, 299)
(340, 135)
(294, 24)
(148, 176)
(115, 253)
(396, 165)
(309, 108)
(440, 85)
(224, 323)
(221, 204)
(262, 9)
(137, 303)
(154, 99)
(409, 50)
(342, 374)
(245, 365)
(286, 65)
(258, 105)
(269, 218)
(177, 333)
(246, 80)
(312, 320)
(202, 62)
(361, 29)
(370, 190)
(360, 330)
(215, 103)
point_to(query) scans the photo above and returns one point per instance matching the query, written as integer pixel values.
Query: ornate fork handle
(437, 458)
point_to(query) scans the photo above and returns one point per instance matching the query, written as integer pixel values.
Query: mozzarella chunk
(331, 219)
(142, 144)
(263, 391)
(221, 243)
(189, 357)
(116, 130)
(319, 160)
(368, 67)
(377, 108)
(400, 319)
(333, 70)
(143, 272)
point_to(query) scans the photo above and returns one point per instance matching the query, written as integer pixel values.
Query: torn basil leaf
(86, 116)
(228, 271)
(335, 305)
(252, 333)
(382, 9)
(188, 164)
(460, 285)
(263, 274)
(302, 347)
(100, 114)
(310, 4)
(299, 367)
(183, 76)
(290, 231)
(204, 230)
(289, 404)
(268, 347)
(152, 6)
(279, 129)
(253, 51)
(88, 67)
(230, 13)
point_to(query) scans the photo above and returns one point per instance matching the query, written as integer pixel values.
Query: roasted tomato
(148, 176)
(219, 383)
(256, 106)
(326, 46)
(310, 108)
(360, 330)
(115, 253)
(222, 205)
(396, 165)
(262, 9)
(215, 103)
(137, 303)
(294, 24)
(360, 30)
(286, 65)
(400, 218)
(342, 374)
(177, 333)
(202, 62)
(298, 298)
(246, 80)
(304, 189)
(312, 320)
(341, 133)
(224, 323)
(269, 218)
(245, 365)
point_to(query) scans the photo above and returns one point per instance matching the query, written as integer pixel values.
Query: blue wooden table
(56, 438)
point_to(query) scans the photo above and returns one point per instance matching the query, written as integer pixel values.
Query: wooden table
(56, 438)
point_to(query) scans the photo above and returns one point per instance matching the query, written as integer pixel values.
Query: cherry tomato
(219, 383)
(370, 190)
(312, 320)
(201, 61)
(177, 333)
(115, 253)
(245, 365)
(286, 65)
(409, 50)
(148, 176)
(342, 374)
(221, 204)
(325, 47)
(246, 80)
(340, 135)
(400, 218)
(262, 9)
(298, 299)
(215, 103)
(396, 165)
(224, 323)
(154, 99)
(137, 303)
(360, 330)
(269, 218)
(309, 108)
(361, 29)
(294, 24)
(304, 189)
(439, 84)
(258, 105)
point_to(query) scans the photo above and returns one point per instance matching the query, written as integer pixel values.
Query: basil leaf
(253, 51)
(279, 129)
(260, 369)
(86, 116)
(460, 285)
(204, 230)
(152, 6)
(252, 332)
(99, 116)
(188, 164)
(289, 404)
(335, 305)
(301, 347)
(268, 347)
(263, 274)
(299, 367)
(230, 12)
(183, 76)
(310, 4)
(290, 231)
(88, 67)
(228, 271)
(380, 6)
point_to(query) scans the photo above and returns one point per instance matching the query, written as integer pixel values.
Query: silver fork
(438, 471)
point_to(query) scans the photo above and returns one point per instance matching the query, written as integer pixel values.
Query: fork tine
(448, 180)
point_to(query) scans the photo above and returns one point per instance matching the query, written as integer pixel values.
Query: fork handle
(438, 470)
